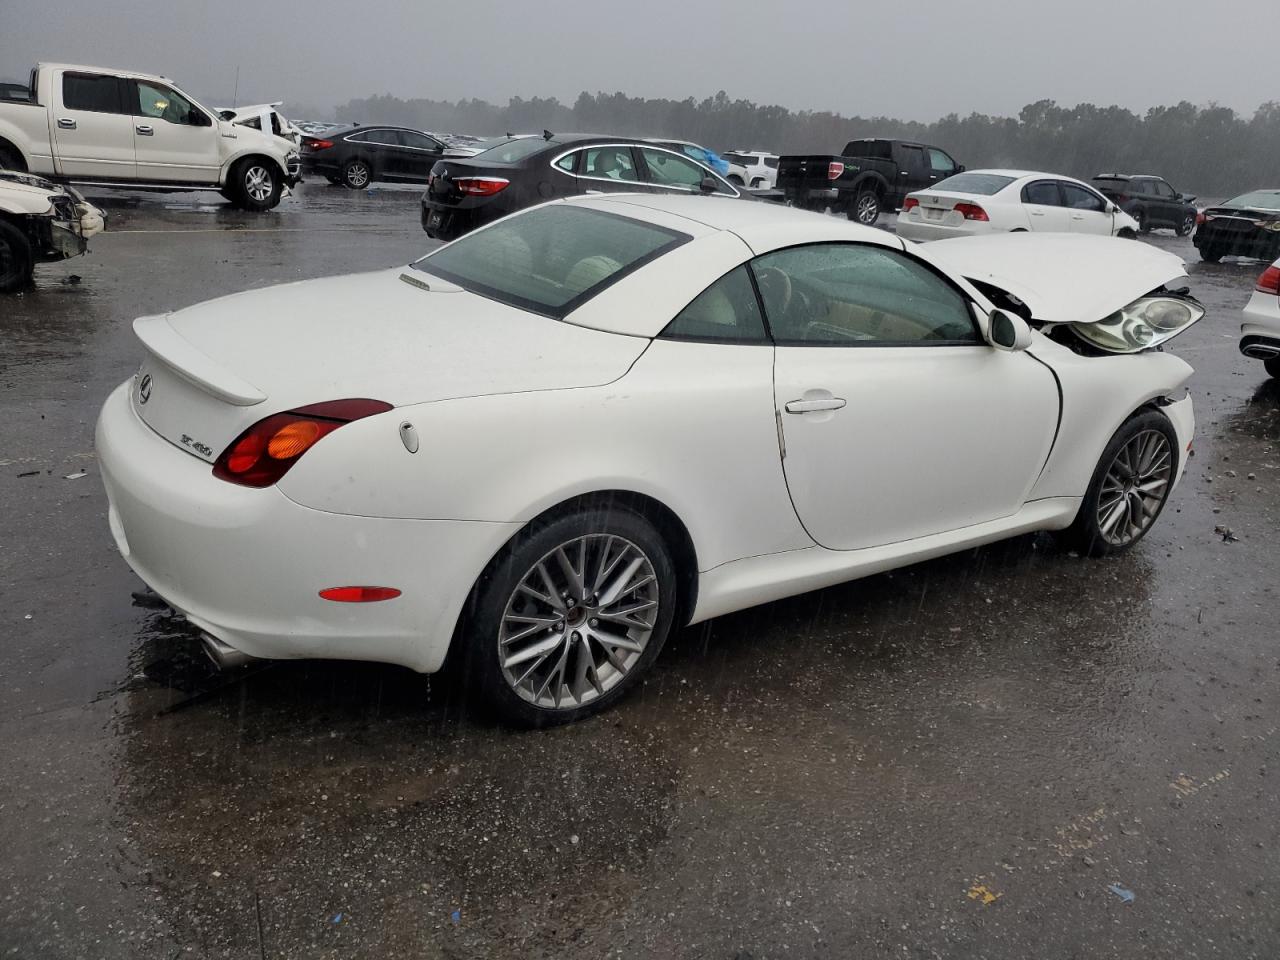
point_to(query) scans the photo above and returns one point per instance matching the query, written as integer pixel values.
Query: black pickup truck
(869, 176)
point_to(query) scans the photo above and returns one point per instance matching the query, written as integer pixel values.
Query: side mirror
(709, 185)
(1007, 331)
(960, 169)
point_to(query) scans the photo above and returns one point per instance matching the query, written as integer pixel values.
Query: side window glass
(941, 164)
(1164, 190)
(385, 138)
(845, 294)
(1078, 198)
(613, 163)
(419, 141)
(566, 162)
(1042, 192)
(726, 310)
(913, 159)
(91, 92)
(161, 103)
(673, 171)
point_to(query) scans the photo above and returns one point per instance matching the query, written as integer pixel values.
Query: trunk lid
(1062, 278)
(214, 369)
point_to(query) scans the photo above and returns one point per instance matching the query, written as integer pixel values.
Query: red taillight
(264, 453)
(360, 594)
(971, 211)
(910, 204)
(1269, 282)
(834, 169)
(313, 144)
(481, 186)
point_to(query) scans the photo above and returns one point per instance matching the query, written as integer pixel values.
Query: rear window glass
(869, 148)
(1266, 199)
(512, 150)
(984, 184)
(552, 259)
(771, 162)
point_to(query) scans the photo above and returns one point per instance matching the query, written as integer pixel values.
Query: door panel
(169, 144)
(1087, 210)
(928, 439)
(92, 129)
(1042, 201)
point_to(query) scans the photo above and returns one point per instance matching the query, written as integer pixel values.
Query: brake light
(834, 169)
(481, 186)
(359, 594)
(1269, 282)
(910, 204)
(313, 144)
(264, 453)
(1201, 218)
(971, 211)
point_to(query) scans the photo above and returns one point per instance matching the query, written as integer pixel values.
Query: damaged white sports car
(544, 446)
(40, 222)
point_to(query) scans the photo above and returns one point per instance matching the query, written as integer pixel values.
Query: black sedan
(463, 194)
(1149, 200)
(1245, 226)
(356, 156)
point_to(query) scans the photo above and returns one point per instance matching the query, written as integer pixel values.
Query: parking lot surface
(1012, 752)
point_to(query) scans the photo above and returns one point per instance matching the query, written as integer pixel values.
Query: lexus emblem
(144, 389)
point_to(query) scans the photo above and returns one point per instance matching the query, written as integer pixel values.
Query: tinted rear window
(91, 92)
(869, 148)
(984, 184)
(552, 259)
(1264, 199)
(512, 150)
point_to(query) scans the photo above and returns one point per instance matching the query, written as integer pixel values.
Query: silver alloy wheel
(868, 207)
(1188, 225)
(357, 175)
(1135, 487)
(578, 621)
(257, 183)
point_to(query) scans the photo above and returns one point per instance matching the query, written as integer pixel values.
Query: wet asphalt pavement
(980, 756)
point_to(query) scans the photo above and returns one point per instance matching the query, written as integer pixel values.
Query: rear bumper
(246, 565)
(922, 231)
(316, 166)
(1260, 329)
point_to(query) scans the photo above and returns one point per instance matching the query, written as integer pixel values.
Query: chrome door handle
(66, 123)
(815, 406)
(144, 129)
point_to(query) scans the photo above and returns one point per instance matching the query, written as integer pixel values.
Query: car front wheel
(1188, 224)
(17, 263)
(570, 616)
(1129, 487)
(255, 185)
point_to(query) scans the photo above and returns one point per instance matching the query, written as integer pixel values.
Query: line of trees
(1210, 150)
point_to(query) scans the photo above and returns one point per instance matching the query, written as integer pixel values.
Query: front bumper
(246, 565)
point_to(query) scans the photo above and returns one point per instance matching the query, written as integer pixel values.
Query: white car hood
(375, 335)
(1063, 278)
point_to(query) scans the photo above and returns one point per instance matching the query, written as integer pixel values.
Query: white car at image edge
(545, 445)
(1260, 331)
(978, 202)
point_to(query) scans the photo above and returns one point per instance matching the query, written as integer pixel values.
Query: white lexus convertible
(545, 445)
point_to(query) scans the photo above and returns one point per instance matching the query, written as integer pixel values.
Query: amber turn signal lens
(293, 439)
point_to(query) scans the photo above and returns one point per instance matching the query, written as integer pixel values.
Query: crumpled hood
(375, 335)
(1061, 277)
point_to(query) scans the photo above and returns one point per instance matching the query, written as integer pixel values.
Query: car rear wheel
(17, 263)
(1273, 367)
(1144, 225)
(10, 159)
(255, 184)
(866, 208)
(1210, 254)
(1129, 487)
(356, 174)
(570, 616)
(1188, 224)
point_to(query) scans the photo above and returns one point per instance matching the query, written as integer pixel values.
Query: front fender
(1098, 395)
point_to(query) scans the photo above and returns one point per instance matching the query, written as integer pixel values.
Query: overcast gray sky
(912, 60)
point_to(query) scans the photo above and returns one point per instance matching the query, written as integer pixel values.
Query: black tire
(735, 180)
(1127, 234)
(255, 184)
(17, 262)
(1144, 225)
(334, 179)
(1210, 254)
(1086, 533)
(1187, 225)
(480, 634)
(357, 174)
(865, 208)
(11, 159)
(1272, 367)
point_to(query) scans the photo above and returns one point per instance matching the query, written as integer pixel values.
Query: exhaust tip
(1259, 352)
(224, 656)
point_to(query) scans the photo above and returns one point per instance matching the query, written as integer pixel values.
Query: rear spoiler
(188, 362)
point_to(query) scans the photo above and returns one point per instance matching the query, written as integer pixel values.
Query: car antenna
(547, 134)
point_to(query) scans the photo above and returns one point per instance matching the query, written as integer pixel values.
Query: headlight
(1273, 225)
(1144, 323)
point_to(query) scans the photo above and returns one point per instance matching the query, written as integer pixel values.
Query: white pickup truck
(125, 129)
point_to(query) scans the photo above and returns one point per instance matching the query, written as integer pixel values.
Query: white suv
(760, 166)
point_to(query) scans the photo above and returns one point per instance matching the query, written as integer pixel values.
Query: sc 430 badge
(197, 446)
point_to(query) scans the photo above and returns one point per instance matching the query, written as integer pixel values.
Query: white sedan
(1260, 331)
(979, 202)
(547, 444)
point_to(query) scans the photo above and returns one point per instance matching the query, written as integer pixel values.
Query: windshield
(1264, 199)
(509, 151)
(984, 184)
(551, 260)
